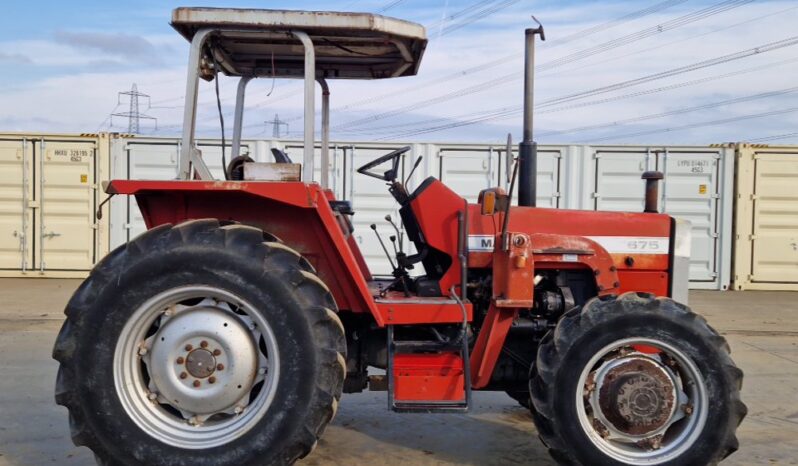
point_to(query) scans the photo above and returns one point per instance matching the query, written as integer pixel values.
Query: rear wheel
(200, 344)
(636, 380)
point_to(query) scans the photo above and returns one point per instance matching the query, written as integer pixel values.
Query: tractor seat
(342, 207)
(280, 156)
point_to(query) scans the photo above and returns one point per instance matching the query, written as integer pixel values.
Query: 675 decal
(633, 244)
(644, 245)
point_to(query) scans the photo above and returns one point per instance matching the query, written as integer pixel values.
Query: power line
(680, 111)
(514, 56)
(509, 112)
(697, 125)
(775, 137)
(390, 5)
(512, 111)
(580, 55)
(476, 16)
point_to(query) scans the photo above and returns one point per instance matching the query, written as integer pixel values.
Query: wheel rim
(196, 367)
(641, 401)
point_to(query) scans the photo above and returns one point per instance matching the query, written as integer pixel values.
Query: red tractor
(226, 333)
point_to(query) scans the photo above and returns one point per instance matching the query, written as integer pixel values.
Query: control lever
(400, 276)
(379, 238)
(398, 233)
(393, 242)
(413, 170)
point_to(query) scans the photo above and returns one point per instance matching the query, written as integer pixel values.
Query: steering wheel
(390, 174)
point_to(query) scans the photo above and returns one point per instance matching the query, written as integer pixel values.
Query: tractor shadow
(497, 432)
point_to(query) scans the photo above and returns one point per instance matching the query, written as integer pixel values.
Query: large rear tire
(636, 380)
(200, 344)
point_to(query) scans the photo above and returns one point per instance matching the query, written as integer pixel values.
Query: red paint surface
(428, 377)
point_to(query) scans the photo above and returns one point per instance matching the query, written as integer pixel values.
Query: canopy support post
(190, 156)
(235, 150)
(325, 133)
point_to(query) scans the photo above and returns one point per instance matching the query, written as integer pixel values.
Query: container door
(66, 229)
(548, 178)
(469, 171)
(691, 191)
(16, 197)
(371, 202)
(147, 161)
(618, 183)
(775, 225)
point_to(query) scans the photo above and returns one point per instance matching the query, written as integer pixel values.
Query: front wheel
(636, 380)
(200, 344)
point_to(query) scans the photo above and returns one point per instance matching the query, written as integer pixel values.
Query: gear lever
(379, 238)
(398, 233)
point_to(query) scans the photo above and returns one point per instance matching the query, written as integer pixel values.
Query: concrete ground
(762, 328)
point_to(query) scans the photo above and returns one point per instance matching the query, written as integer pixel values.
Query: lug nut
(196, 383)
(189, 347)
(180, 360)
(142, 351)
(152, 396)
(239, 409)
(220, 367)
(211, 379)
(217, 352)
(183, 375)
(204, 344)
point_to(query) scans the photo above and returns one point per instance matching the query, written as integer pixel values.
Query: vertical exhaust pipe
(528, 148)
(652, 191)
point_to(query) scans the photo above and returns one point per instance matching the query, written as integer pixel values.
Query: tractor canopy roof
(262, 43)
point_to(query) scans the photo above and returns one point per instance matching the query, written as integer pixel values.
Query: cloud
(14, 58)
(122, 45)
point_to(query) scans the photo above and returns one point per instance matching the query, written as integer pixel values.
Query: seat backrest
(280, 156)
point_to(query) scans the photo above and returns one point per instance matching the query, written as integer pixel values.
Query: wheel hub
(635, 397)
(200, 363)
(203, 360)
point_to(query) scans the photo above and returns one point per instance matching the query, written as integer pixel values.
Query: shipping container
(51, 192)
(698, 187)
(766, 218)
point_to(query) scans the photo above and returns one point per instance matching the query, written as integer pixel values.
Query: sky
(638, 72)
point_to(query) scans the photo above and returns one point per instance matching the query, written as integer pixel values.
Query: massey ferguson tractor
(226, 333)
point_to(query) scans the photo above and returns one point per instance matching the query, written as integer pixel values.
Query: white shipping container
(698, 187)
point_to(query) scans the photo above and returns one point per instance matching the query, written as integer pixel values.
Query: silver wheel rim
(196, 367)
(682, 424)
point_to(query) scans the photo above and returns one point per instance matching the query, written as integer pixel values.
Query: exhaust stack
(652, 191)
(528, 148)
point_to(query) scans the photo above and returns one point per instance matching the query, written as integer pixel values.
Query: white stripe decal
(633, 244)
(613, 244)
(480, 243)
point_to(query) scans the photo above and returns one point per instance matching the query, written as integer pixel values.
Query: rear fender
(297, 213)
